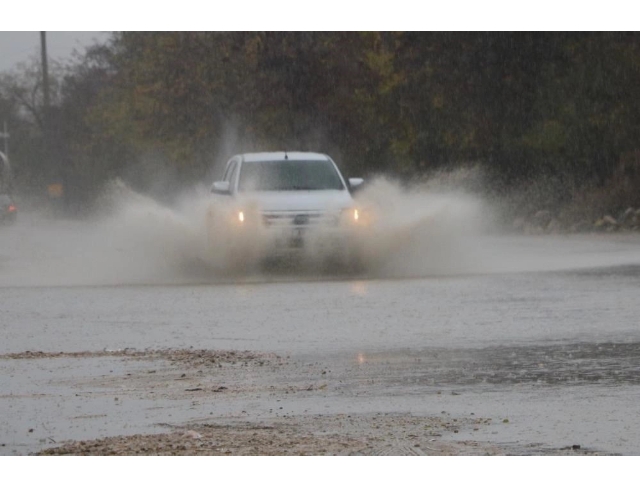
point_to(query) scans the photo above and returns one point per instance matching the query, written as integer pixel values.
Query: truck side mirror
(221, 187)
(355, 182)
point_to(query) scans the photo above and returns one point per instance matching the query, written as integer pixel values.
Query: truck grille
(296, 218)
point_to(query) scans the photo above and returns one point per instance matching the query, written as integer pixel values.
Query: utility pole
(55, 188)
(45, 74)
(5, 136)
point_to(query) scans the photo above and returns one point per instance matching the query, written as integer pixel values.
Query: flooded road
(540, 338)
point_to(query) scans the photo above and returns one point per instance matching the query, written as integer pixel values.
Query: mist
(429, 230)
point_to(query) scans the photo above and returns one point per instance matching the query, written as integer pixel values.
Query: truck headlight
(350, 216)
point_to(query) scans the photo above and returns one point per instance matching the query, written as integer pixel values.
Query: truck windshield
(289, 176)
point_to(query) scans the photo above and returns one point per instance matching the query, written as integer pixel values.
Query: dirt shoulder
(224, 403)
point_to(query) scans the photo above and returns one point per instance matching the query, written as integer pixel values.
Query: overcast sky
(18, 47)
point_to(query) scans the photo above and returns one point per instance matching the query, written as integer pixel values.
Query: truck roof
(278, 156)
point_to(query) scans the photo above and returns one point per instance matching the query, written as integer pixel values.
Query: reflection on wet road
(603, 364)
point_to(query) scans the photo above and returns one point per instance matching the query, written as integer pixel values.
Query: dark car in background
(8, 210)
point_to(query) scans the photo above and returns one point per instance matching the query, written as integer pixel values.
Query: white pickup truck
(286, 205)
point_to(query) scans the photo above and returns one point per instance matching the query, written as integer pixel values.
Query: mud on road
(203, 402)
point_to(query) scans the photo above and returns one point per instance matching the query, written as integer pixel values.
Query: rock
(583, 226)
(626, 216)
(607, 223)
(554, 226)
(530, 229)
(519, 223)
(542, 218)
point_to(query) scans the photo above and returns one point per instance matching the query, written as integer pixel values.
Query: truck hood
(317, 200)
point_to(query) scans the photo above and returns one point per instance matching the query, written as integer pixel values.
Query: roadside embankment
(548, 222)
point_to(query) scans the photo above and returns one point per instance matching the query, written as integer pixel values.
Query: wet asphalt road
(549, 345)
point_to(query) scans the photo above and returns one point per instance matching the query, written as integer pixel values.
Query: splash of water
(419, 232)
(138, 240)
